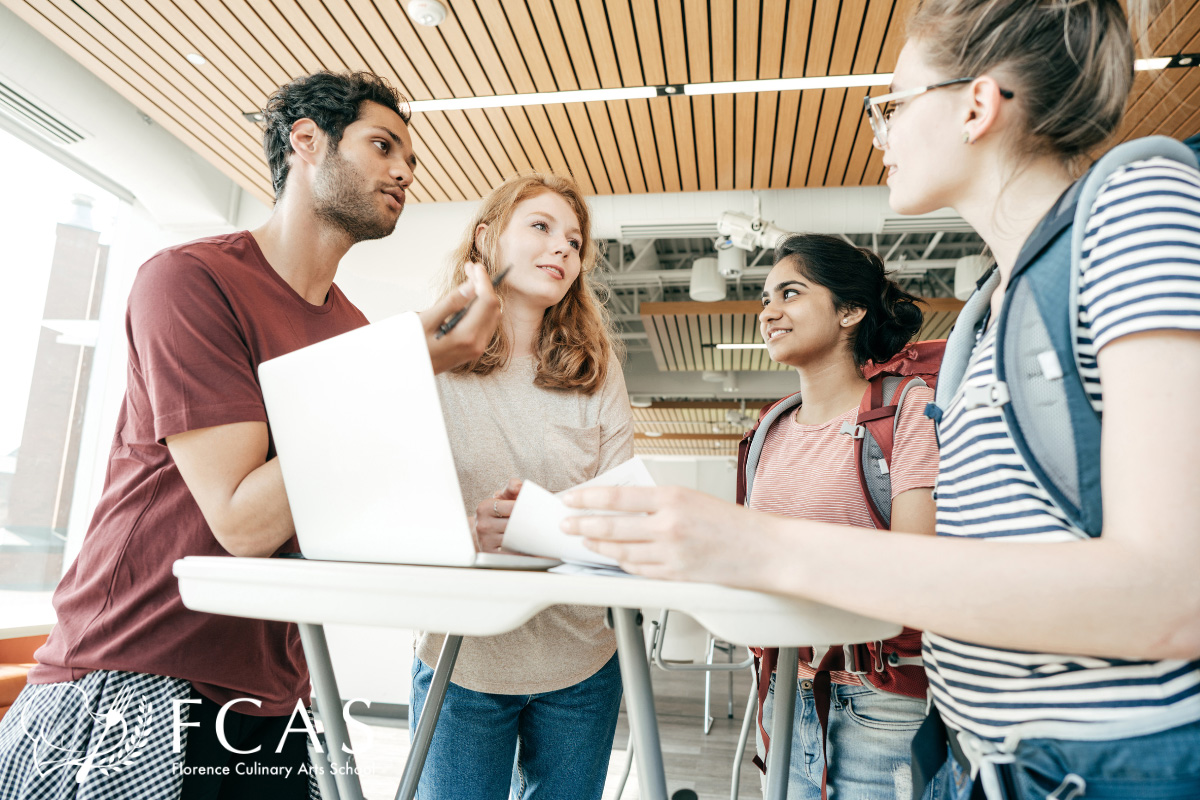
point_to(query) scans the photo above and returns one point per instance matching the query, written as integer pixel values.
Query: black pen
(449, 324)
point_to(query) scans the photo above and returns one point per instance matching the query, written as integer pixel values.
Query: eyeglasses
(880, 109)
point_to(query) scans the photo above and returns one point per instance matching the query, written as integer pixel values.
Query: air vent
(924, 224)
(37, 119)
(706, 229)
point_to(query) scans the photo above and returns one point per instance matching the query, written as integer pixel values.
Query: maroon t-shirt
(201, 318)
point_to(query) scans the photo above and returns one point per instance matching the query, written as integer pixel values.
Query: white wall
(712, 475)
(398, 273)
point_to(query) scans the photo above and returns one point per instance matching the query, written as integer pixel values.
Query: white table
(480, 602)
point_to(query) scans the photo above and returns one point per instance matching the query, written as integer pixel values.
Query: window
(55, 229)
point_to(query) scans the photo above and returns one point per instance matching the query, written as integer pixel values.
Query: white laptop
(362, 443)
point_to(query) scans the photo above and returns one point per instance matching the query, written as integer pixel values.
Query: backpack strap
(961, 343)
(758, 436)
(874, 438)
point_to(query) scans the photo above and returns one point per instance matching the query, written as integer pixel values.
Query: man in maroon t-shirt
(135, 695)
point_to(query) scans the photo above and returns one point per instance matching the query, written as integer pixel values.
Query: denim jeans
(1161, 766)
(870, 736)
(549, 746)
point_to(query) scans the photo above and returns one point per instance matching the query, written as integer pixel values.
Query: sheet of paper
(598, 570)
(533, 527)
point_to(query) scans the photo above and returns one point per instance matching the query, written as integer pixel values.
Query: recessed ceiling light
(755, 346)
(196, 59)
(253, 116)
(654, 434)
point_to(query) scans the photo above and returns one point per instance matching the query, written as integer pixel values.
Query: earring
(967, 137)
(845, 322)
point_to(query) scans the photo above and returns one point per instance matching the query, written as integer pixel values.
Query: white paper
(598, 570)
(534, 526)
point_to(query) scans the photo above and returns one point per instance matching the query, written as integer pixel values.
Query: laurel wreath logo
(102, 753)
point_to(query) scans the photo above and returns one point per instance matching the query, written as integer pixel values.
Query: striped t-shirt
(1141, 272)
(810, 472)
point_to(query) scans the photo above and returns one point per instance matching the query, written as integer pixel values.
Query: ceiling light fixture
(707, 284)
(698, 89)
(196, 59)
(754, 346)
(533, 99)
(429, 13)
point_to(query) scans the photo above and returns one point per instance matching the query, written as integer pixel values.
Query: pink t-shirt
(202, 316)
(809, 472)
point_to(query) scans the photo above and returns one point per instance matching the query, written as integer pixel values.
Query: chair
(16, 659)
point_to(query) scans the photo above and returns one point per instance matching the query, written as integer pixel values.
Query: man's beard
(339, 200)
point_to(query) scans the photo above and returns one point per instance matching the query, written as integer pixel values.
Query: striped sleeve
(915, 451)
(1141, 253)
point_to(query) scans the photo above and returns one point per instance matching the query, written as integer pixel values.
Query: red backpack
(893, 665)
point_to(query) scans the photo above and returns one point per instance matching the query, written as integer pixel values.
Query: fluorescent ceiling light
(646, 92)
(1143, 64)
(694, 89)
(757, 346)
(534, 99)
(789, 84)
(196, 59)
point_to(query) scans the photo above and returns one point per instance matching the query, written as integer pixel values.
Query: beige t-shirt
(502, 426)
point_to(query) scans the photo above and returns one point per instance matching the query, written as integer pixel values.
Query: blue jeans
(1161, 766)
(551, 746)
(870, 736)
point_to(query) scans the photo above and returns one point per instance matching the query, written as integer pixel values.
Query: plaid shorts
(107, 736)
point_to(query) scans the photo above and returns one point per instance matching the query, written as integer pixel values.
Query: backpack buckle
(850, 429)
(992, 395)
(856, 658)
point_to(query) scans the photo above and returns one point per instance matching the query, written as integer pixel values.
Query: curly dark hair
(332, 100)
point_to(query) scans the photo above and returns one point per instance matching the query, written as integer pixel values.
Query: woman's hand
(675, 534)
(491, 517)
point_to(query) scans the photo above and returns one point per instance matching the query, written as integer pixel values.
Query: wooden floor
(692, 759)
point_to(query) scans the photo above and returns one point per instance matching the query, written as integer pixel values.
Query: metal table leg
(423, 735)
(779, 760)
(639, 703)
(329, 702)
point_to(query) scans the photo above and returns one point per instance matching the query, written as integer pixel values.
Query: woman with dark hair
(829, 310)
(530, 713)
(1064, 663)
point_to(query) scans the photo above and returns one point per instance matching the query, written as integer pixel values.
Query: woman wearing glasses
(1063, 666)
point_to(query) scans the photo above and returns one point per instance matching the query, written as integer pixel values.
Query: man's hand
(491, 517)
(470, 337)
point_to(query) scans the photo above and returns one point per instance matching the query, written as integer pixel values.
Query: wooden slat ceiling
(682, 335)
(699, 428)
(493, 47)
(486, 47)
